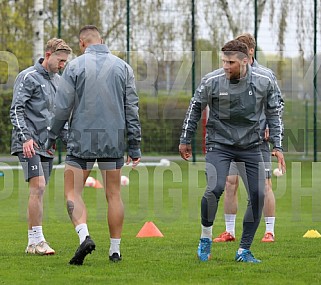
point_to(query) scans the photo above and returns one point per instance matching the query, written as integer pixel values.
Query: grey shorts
(35, 166)
(266, 153)
(88, 164)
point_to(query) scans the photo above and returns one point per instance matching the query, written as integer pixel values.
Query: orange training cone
(149, 230)
(98, 184)
(92, 182)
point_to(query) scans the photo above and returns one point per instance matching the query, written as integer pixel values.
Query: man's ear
(81, 43)
(251, 51)
(245, 60)
(48, 54)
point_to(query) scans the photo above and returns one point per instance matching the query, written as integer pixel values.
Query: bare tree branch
(233, 26)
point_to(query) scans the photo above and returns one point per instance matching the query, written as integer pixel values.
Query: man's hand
(281, 162)
(134, 160)
(52, 147)
(28, 148)
(49, 143)
(185, 150)
(134, 155)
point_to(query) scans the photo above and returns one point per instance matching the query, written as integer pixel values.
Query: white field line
(62, 165)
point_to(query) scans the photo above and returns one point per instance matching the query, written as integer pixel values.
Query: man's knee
(37, 185)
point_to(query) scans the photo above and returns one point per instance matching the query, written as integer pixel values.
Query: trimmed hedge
(5, 123)
(161, 120)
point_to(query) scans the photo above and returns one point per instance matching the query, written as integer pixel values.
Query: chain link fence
(157, 39)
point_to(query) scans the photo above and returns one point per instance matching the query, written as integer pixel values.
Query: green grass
(170, 197)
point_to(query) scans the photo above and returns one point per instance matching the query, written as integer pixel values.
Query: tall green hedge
(161, 119)
(5, 124)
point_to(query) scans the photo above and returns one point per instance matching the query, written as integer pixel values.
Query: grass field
(170, 197)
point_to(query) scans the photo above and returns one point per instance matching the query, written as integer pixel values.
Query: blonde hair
(55, 44)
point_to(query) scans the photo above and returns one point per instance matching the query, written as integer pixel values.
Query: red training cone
(149, 230)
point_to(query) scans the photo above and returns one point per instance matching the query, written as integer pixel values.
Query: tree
(226, 23)
(38, 40)
(76, 14)
(15, 39)
(160, 31)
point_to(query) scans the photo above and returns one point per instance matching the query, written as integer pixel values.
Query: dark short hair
(236, 47)
(248, 39)
(88, 28)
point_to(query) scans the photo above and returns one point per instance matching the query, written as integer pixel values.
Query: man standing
(232, 182)
(236, 95)
(98, 97)
(31, 113)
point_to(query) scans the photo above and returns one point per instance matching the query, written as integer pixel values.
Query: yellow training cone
(312, 234)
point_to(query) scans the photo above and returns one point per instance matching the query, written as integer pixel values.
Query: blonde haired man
(31, 113)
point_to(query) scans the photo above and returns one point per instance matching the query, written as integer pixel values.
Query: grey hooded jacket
(32, 107)
(235, 109)
(97, 95)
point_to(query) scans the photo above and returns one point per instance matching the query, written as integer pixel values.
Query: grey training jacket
(263, 123)
(235, 109)
(32, 107)
(98, 96)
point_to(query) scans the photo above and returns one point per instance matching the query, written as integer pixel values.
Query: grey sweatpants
(218, 161)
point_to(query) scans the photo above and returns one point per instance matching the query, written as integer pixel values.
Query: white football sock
(31, 239)
(207, 232)
(269, 224)
(114, 246)
(240, 250)
(37, 234)
(230, 223)
(82, 231)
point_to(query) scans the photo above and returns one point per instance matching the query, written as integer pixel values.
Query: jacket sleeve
(194, 112)
(22, 92)
(273, 111)
(64, 134)
(131, 115)
(280, 102)
(64, 102)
